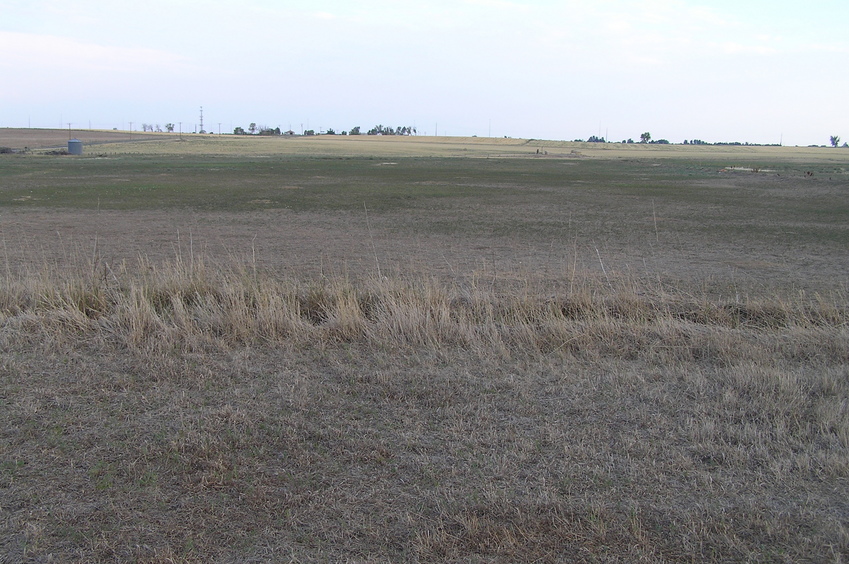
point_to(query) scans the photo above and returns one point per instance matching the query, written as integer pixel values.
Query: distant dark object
(75, 147)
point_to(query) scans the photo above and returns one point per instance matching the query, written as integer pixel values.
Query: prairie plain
(222, 348)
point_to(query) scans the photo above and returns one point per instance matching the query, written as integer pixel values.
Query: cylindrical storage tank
(75, 147)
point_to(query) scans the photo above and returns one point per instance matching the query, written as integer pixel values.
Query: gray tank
(75, 147)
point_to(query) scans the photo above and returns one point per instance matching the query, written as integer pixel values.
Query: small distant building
(75, 147)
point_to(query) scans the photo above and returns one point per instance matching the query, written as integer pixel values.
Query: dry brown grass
(195, 410)
(574, 360)
(138, 143)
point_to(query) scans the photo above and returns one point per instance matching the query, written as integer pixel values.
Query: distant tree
(835, 140)
(354, 130)
(169, 127)
(309, 132)
(645, 137)
(595, 139)
(239, 131)
(381, 130)
(252, 128)
(330, 132)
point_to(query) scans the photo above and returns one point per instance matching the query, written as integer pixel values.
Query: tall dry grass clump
(413, 418)
(194, 305)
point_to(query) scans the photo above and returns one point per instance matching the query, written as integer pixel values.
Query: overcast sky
(717, 70)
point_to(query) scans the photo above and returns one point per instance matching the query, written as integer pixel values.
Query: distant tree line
(644, 138)
(254, 129)
(647, 139)
(400, 130)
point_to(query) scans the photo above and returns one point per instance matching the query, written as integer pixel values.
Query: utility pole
(181, 130)
(69, 130)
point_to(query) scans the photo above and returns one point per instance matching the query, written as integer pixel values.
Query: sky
(753, 71)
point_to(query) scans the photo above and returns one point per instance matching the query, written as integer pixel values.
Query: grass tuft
(215, 412)
(189, 306)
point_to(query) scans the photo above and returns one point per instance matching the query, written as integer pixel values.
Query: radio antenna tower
(201, 120)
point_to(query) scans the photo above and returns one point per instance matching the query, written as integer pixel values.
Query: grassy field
(427, 349)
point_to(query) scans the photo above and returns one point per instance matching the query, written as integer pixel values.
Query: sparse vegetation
(509, 359)
(240, 412)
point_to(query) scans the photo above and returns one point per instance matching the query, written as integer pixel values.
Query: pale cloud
(45, 65)
(498, 5)
(733, 48)
(46, 51)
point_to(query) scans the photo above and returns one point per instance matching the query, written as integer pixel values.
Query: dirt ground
(602, 430)
(738, 230)
(315, 244)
